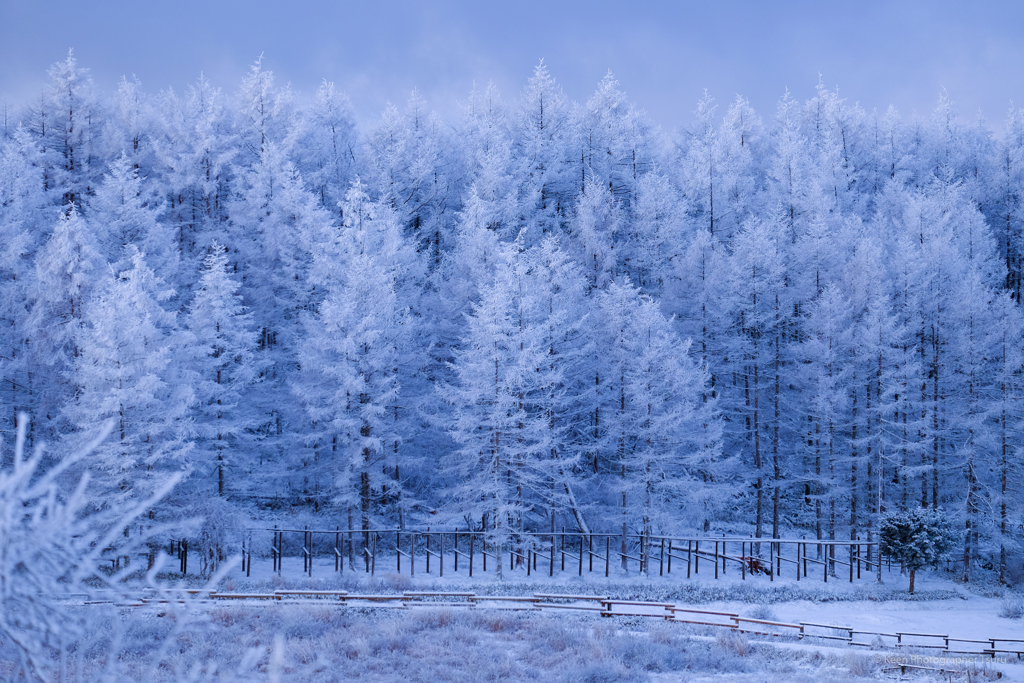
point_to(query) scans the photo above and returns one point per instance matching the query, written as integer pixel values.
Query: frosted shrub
(496, 622)
(735, 643)
(860, 665)
(763, 612)
(604, 673)
(1012, 608)
(645, 655)
(52, 537)
(396, 582)
(434, 618)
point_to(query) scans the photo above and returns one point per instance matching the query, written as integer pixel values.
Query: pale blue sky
(663, 53)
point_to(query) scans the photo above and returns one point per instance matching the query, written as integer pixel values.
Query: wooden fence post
(563, 548)
(351, 548)
(551, 561)
(607, 554)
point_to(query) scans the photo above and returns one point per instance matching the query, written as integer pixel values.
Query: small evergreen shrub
(916, 538)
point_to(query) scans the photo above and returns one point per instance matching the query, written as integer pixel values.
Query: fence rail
(407, 550)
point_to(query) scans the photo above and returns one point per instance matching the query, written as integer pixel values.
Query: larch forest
(543, 313)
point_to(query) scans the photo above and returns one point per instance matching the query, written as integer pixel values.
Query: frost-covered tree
(593, 228)
(701, 166)
(263, 111)
(1008, 206)
(194, 150)
(662, 434)
(410, 158)
(71, 120)
(326, 145)
(222, 340)
(349, 357)
(124, 371)
(541, 138)
(504, 466)
(657, 236)
(275, 230)
(22, 208)
(68, 268)
(130, 127)
(917, 538)
(125, 216)
(826, 376)
(756, 308)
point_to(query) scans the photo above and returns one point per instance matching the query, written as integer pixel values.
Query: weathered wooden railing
(548, 552)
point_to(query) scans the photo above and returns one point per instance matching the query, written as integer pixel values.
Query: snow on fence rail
(427, 550)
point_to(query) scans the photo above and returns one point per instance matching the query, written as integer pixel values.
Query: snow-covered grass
(312, 643)
(380, 644)
(324, 642)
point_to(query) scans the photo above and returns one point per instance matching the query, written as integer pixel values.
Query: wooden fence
(539, 553)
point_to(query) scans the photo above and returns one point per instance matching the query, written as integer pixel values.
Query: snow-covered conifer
(222, 339)
(124, 370)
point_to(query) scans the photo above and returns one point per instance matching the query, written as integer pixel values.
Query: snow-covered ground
(321, 640)
(940, 606)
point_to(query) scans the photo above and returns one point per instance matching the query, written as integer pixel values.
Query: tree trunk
(759, 521)
(577, 513)
(364, 504)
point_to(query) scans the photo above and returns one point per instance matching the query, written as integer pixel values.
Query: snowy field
(319, 641)
(939, 605)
